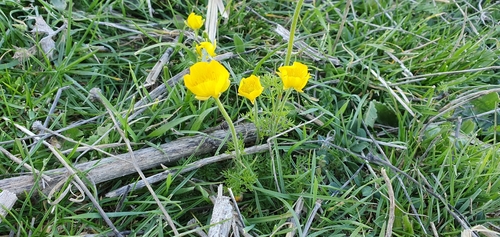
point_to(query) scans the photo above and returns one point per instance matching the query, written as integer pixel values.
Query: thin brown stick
(87, 147)
(116, 166)
(195, 165)
(155, 71)
(196, 228)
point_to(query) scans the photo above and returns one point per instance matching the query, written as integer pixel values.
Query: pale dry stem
(310, 219)
(403, 101)
(392, 203)
(461, 100)
(20, 162)
(190, 167)
(294, 225)
(97, 94)
(74, 175)
(423, 77)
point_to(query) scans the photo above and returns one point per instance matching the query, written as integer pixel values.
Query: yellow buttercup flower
(194, 21)
(250, 88)
(208, 47)
(295, 76)
(207, 79)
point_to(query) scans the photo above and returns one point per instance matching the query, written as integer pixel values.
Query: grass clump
(395, 132)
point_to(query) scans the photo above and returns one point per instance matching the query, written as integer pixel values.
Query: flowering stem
(231, 127)
(285, 98)
(256, 117)
(296, 14)
(278, 117)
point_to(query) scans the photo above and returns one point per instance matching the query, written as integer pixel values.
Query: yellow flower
(208, 47)
(207, 79)
(250, 88)
(294, 76)
(194, 21)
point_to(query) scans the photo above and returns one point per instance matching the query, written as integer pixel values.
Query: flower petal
(208, 47)
(295, 76)
(194, 21)
(207, 79)
(250, 88)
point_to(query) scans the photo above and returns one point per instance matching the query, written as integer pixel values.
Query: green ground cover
(395, 132)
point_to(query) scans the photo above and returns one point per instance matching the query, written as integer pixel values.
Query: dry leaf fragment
(46, 43)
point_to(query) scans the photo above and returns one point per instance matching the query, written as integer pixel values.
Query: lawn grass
(400, 137)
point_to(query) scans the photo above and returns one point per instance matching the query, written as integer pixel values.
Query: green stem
(278, 111)
(285, 98)
(295, 19)
(256, 117)
(231, 127)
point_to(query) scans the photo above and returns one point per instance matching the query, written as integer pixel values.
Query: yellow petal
(250, 88)
(207, 79)
(295, 76)
(208, 47)
(194, 21)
